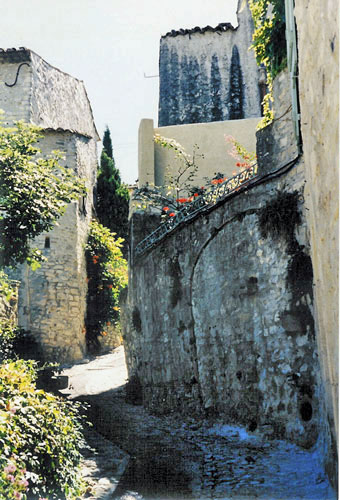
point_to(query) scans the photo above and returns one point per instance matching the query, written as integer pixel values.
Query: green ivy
(107, 277)
(269, 44)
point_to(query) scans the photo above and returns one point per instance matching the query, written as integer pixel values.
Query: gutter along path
(140, 456)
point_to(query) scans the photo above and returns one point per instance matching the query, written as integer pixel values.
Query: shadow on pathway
(142, 456)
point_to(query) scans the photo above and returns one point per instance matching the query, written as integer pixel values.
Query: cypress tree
(112, 203)
(107, 143)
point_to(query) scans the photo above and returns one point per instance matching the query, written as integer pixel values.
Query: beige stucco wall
(210, 139)
(318, 47)
(146, 155)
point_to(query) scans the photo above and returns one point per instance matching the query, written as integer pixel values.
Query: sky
(110, 45)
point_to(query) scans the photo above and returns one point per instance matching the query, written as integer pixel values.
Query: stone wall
(15, 101)
(209, 74)
(214, 322)
(59, 100)
(319, 103)
(277, 143)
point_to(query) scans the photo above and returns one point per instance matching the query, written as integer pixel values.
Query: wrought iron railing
(205, 201)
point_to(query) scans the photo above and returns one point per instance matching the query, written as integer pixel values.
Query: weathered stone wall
(15, 101)
(277, 143)
(319, 103)
(52, 299)
(59, 100)
(214, 323)
(208, 74)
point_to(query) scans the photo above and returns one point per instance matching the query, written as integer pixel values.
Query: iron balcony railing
(209, 198)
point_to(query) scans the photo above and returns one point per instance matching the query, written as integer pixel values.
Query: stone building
(52, 299)
(208, 74)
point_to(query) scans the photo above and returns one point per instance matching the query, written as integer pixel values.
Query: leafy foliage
(8, 328)
(269, 44)
(40, 436)
(34, 192)
(107, 276)
(178, 184)
(112, 203)
(107, 143)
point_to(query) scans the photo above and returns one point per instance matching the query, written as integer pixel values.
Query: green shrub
(34, 192)
(40, 437)
(107, 276)
(8, 328)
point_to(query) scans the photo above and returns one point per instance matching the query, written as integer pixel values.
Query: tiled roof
(15, 55)
(13, 49)
(218, 29)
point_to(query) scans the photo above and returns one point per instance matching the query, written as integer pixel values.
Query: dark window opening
(306, 411)
(47, 242)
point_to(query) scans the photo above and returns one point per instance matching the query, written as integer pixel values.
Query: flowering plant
(179, 192)
(40, 436)
(244, 158)
(13, 479)
(178, 188)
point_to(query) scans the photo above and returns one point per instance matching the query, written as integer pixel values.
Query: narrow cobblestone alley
(138, 456)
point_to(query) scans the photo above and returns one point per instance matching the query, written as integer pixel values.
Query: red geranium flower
(166, 209)
(238, 164)
(195, 194)
(172, 214)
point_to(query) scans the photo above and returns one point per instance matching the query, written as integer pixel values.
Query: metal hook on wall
(16, 78)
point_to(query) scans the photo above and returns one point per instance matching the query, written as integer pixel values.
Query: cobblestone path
(149, 457)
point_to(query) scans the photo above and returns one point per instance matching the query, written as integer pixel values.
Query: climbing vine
(269, 45)
(107, 276)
